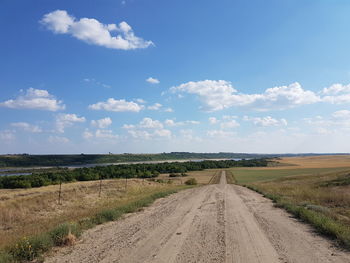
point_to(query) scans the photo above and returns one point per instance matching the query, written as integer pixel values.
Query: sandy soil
(213, 223)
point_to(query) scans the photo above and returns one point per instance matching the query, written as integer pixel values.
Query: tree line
(38, 179)
(27, 160)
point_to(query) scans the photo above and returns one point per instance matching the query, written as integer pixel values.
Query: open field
(315, 189)
(26, 212)
(202, 177)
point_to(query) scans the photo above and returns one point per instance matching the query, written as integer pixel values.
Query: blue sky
(154, 76)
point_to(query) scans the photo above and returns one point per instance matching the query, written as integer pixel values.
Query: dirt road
(214, 223)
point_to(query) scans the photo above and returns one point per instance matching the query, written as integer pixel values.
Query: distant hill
(27, 160)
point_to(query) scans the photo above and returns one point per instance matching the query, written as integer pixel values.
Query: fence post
(99, 193)
(59, 192)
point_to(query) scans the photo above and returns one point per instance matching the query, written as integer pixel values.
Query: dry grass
(202, 177)
(307, 189)
(26, 212)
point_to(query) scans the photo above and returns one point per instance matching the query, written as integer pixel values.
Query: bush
(184, 174)
(59, 234)
(174, 175)
(191, 181)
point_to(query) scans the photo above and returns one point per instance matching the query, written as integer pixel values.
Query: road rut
(213, 223)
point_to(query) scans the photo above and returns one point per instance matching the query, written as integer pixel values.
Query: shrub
(184, 174)
(59, 234)
(174, 175)
(191, 181)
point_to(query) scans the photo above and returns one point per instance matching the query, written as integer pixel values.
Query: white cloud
(341, 114)
(229, 124)
(57, 139)
(168, 110)
(87, 134)
(67, 120)
(99, 134)
(140, 134)
(94, 32)
(102, 123)
(336, 89)
(150, 124)
(155, 106)
(162, 133)
(147, 128)
(266, 121)
(153, 80)
(7, 135)
(172, 123)
(219, 95)
(34, 99)
(213, 120)
(117, 106)
(336, 94)
(105, 134)
(26, 127)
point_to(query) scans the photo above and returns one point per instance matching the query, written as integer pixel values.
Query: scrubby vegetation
(33, 247)
(119, 171)
(191, 181)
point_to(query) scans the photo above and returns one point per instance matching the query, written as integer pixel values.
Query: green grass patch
(246, 175)
(230, 178)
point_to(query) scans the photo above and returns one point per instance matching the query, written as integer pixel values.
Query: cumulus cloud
(168, 110)
(266, 121)
(341, 114)
(99, 134)
(27, 127)
(155, 106)
(150, 124)
(66, 120)
(94, 32)
(34, 99)
(220, 94)
(336, 94)
(172, 123)
(87, 134)
(337, 122)
(102, 123)
(229, 124)
(153, 80)
(147, 128)
(117, 106)
(105, 134)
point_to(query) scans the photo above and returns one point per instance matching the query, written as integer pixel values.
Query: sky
(149, 76)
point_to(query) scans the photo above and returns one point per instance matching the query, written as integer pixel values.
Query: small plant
(23, 250)
(174, 175)
(63, 232)
(191, 181)
(184, 174)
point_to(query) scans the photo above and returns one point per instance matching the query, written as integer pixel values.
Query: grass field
(26, 212)
(202, 177)
(247, 175)
(315, 189)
